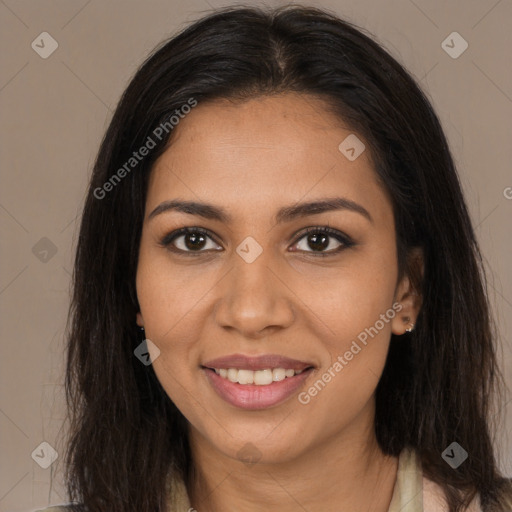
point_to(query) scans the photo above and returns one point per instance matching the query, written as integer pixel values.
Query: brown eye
(193, 241)
(323, 241)
(190, 240)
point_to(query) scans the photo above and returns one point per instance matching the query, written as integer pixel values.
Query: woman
(278, 295)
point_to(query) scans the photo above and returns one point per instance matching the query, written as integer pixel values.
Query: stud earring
(407, 320)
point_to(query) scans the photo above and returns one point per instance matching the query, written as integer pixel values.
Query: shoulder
(416, 491)
(434, 499)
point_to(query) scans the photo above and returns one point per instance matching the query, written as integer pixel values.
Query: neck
(348, 468)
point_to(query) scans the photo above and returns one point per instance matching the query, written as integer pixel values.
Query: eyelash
(346, 241)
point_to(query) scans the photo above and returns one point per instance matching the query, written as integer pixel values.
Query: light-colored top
(412, 492)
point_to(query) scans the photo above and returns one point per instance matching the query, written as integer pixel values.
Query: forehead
(270, 149)
(288, 124)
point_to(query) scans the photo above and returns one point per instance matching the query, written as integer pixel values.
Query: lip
(251, 396)
(262, 362)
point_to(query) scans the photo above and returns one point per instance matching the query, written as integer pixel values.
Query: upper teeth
(259, 377)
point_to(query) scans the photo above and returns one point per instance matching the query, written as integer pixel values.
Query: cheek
(167, 295)
(355, 359)
(357, 306)
(351, 299)
(184, 391)
(172, 310)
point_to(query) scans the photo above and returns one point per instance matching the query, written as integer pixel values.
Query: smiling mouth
(262, 377)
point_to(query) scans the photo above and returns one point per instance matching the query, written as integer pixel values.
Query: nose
(254, 300)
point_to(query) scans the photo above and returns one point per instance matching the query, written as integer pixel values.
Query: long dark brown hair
(126, 435)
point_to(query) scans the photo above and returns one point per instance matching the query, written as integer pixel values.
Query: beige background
(55, 110)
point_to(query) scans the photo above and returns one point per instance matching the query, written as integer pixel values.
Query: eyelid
(341, 237)
(170, 237)
(345, 241)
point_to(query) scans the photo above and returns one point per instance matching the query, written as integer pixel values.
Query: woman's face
(253, 291)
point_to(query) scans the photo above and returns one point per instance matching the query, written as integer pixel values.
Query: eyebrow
(285, 214)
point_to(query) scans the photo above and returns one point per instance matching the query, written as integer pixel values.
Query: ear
(408, 294)
(140, 320)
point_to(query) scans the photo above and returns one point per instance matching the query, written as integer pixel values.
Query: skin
(251, 159)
